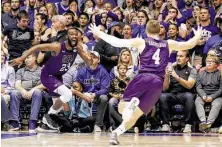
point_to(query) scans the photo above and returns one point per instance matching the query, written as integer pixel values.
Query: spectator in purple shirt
(30, 8)
(187, 10)
(63, 6)
(173, 35)
(212, 12)
(10, 17)
(208, 31)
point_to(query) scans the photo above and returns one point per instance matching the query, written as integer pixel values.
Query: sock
(120, 130)
(52, 111)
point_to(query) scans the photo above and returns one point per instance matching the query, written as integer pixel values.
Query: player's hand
(17, 61)
(94, 29)
(198, 32)
(201, 42)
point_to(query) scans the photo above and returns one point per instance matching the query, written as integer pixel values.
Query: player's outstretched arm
(83, 54)
(116, 42)
(174, 45)
(56, 47)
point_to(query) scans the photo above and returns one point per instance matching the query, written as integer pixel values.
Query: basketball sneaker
(43, 128)
(113, 140)
(49, 122)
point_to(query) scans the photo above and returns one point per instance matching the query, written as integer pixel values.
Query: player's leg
(126, 125)
(148, 95)
(65, 95)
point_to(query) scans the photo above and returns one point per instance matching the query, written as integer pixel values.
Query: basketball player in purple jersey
(63, 56)
(145, 89)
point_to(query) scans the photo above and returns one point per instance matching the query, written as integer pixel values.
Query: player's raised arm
(56, 47)
(116, 42)
(174, 45)
(83, 54)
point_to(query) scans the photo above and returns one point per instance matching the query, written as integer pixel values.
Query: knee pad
(66, 97)
(65, 93)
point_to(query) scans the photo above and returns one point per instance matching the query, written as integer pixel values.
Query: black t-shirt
(19, 40)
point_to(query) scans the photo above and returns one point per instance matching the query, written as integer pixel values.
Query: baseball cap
(115, 23)
(95, 53)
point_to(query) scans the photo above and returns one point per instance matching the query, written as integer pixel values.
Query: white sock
(52, 111)
(120, 130)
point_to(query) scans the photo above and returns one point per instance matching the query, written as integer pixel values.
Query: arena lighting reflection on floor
(7, 135)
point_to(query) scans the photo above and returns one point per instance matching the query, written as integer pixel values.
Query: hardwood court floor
(22, 139)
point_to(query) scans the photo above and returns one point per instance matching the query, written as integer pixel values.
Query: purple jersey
(154, 57)
(60, 64)
(61, 9)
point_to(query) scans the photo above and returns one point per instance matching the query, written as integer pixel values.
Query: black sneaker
(6, 127)
(85, 129)
(43, 128)
(49, 122)
(113, 140)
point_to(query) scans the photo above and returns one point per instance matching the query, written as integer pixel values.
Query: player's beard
(72, 44)
(15, 9)
(117, 34)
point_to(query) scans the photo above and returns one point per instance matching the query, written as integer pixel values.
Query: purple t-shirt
(208, 31)
(61, 9)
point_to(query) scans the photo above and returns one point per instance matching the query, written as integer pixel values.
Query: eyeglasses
(207, 61)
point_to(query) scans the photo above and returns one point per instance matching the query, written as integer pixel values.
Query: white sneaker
(220, 130)
(113, 140)
(165, 128)
(97, 129)
(187, 128)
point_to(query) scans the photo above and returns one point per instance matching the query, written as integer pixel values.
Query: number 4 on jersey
(156, 56)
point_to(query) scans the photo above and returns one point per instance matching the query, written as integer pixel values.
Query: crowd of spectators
(193, 78)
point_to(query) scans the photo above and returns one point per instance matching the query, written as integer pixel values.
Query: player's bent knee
(66, 97)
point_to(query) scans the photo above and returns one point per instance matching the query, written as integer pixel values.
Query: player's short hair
(153, 27)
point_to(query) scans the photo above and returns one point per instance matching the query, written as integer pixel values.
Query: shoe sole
(40, 130)
(14, 129)
(204, 126)
(44, 120)
(32, 131)
(113, 142)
